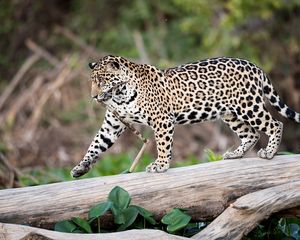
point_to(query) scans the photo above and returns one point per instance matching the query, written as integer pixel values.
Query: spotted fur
(224, 88)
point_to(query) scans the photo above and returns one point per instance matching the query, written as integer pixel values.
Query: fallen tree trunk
(244, 214)
(20, 232)
(205, 190)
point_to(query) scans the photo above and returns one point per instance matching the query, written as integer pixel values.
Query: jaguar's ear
(92, 65)
(114, 65)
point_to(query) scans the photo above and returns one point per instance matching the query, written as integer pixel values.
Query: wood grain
(205, 190)
(244, 214)
(20, 232)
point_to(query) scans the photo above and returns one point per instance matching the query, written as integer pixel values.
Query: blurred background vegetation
(47, 118)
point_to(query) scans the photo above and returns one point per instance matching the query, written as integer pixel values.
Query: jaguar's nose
(92, 65)
(95, 96)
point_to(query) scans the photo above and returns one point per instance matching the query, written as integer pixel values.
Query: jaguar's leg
(110, 130)
(247, 134)
(164, 140)
(259, 118)
(274, 132)
(272, 128)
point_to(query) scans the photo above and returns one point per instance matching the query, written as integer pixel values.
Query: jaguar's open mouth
(104, 96)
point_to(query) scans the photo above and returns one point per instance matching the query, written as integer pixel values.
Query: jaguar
(231, 89)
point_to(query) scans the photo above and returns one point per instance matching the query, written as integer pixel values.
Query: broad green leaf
(120, 198)
(83, 224)
(65, 226)
(119, 217)
(176, 220)
(99, 209)
(130, 215)
(145, 214)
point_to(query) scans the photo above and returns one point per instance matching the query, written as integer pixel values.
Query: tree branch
(244, 214)
(20, 232)
(205, 190)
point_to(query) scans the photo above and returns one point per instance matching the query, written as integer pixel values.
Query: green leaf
(145, 214)
(99, 209)
(119, 217)
(82, 224)
(130, 215)
(290, 227)
(176, 220)
(211, 156)
(65, 226)
(120, 199)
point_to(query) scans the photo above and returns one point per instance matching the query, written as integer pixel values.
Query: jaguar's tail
(275, 101)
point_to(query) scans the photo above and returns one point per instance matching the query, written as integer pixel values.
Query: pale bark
(205, 190)
(20, 232)
(244, 214)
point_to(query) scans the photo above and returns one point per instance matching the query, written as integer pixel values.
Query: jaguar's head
(108, 74)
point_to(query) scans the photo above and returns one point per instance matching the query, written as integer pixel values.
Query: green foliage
(210, 156)
(190, 160)
(76, 113)
(276, 229)
(290, 227)
(118, 202)
(108, 165)
(145, 214)
(176, 220)
(120, 199)
(99, 209)
(172, 30)
(177, 30)
(128, 216)
(82, 224)
(65, 226)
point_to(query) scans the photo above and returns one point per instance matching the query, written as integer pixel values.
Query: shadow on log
(205, 190)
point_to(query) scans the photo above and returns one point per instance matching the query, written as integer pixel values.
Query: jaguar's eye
(114, 65)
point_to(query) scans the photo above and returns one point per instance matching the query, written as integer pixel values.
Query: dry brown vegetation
(39, 104)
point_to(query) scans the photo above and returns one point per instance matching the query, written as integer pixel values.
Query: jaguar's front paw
(82, 168)
(233, 155)
(158, 166)
(79, 170)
